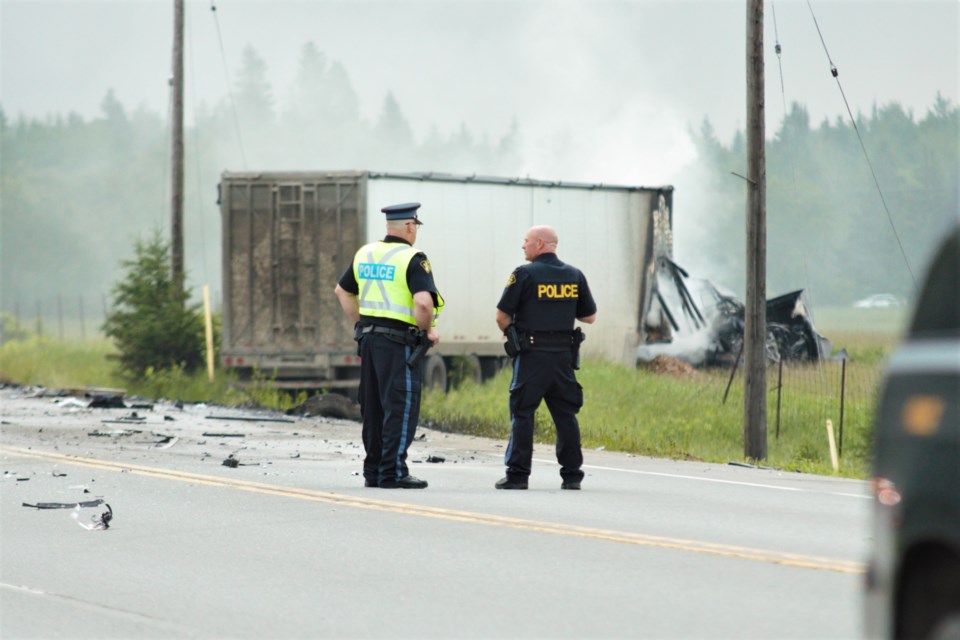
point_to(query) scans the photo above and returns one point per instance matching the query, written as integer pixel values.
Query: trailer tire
(435, 373)
(489, 366)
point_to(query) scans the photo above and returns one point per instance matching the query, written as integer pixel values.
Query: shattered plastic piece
(65, 505)
(436, 459)
(100, 522)
(71, 403)
(231, 462)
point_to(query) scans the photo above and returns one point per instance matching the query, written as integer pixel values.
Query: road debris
(436, 459)
(115, 433)
(213, 434)
(106, 401)
(250, 419)
(133, 416)
(97, 523)
(64, 505)
(329, 405)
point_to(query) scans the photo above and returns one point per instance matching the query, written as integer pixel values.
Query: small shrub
(151, 323)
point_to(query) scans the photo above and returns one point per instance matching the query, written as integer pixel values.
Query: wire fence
(59, 316)
(803, 397)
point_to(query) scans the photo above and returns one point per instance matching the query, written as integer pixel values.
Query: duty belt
(405, 336)
(547, 340)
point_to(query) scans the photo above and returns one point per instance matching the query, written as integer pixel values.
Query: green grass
(53, 363)
(637, 411)
(628, 410)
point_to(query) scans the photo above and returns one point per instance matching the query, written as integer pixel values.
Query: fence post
(843, 388)
(779, 394)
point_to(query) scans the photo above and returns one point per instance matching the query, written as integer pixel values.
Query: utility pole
(755, 315)
(176, 125)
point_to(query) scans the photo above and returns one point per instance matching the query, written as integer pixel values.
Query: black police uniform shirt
(419, 278)
(547, 295)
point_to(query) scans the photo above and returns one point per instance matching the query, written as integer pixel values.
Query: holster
(577, 338)
(513, 345)
(419, 349)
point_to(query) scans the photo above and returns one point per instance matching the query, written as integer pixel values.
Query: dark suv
(913, 577)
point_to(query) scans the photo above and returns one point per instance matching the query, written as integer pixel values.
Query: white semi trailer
(287, 237)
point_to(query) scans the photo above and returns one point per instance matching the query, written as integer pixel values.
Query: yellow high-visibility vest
(381, 272)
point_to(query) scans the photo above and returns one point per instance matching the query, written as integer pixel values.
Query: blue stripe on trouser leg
(408, 402)
(513, 420)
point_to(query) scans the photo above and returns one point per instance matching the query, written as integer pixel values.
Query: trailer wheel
(489, 367)
(435, 373)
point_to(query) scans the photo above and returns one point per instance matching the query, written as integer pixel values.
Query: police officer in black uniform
(536, 313)
(390, 294)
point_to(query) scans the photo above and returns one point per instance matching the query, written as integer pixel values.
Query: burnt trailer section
(699, 322)
(287, 237)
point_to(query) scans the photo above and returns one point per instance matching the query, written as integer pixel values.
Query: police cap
(407, 211)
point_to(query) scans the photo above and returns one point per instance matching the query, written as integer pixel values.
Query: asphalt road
(289, 544)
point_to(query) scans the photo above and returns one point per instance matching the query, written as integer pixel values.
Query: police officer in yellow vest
(536, 312)
(390, 294)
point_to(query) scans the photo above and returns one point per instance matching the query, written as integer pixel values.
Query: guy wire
(233, 104)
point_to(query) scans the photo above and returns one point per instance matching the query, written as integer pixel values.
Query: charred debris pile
(699, 322)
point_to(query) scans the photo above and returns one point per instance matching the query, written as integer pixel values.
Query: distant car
(879, 301)
(913, 573)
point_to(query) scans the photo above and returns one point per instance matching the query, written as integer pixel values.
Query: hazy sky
(606, 78)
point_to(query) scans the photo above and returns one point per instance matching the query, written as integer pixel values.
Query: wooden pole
(755, 385)
(176, 124)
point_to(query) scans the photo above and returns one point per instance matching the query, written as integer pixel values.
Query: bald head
(539, 240)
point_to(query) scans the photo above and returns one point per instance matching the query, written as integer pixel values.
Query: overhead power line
(836, 74)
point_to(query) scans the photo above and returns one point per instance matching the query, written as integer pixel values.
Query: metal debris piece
(249, 419)
(64, 505)
(212, 434)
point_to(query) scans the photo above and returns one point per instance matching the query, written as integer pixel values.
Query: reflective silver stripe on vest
(387, 305)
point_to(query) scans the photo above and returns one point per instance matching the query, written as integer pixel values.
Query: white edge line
(717, 480)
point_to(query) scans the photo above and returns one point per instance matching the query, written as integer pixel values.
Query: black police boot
(370, 482)
(508, 483)
(406, 482)
(573, 485)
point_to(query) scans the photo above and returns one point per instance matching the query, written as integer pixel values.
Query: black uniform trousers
(390, 406)
(549, 376)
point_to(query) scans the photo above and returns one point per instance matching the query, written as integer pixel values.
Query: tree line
(829, 228)
(78, 193)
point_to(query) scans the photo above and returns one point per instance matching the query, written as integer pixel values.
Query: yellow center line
(556, 528)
